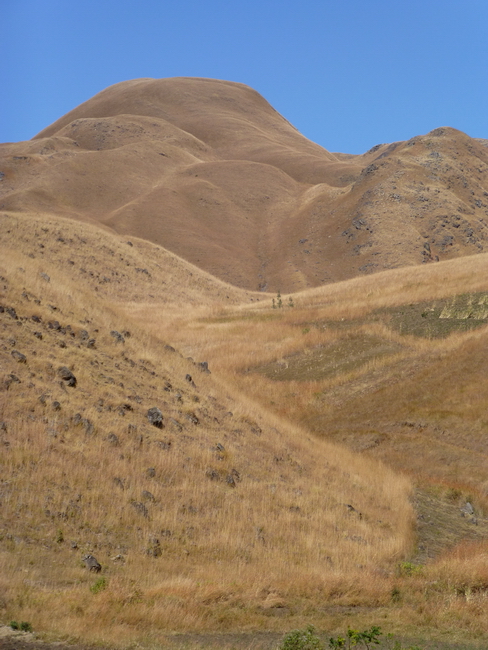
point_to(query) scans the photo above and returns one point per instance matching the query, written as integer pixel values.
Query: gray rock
(117, 336)
(11, 379)
(78, 420)
(54, 325)
(155, 417)
(67, 376)
(92, 563)
(192, 418)
(212, 474)
(141, 508)
(18, 356)
(230, 480)
(113, 440)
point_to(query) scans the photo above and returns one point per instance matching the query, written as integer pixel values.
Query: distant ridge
(210, 171)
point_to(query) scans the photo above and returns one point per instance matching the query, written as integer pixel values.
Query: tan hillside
(246, 374)
(231, 517)
(221, 517)
(210, 171)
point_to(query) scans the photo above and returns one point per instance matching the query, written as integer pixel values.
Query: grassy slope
(186, 542)
(416, 402)
(228, 517)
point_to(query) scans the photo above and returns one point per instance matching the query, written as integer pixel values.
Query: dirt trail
(11, 640)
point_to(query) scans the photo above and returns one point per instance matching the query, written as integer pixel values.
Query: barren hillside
(210, 171)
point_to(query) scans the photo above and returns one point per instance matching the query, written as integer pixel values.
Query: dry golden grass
(280, 548)
(249, 512)
(421, 409)
(280, 490)
(407, 381)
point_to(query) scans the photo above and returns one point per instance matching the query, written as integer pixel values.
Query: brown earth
(210, 171)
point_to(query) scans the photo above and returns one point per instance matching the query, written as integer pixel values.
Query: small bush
(99, 585)
(409, 569)
(301, 640)
(23, 626)
(307, 639)
(355, 638)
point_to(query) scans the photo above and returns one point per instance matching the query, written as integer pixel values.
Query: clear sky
(348, 74)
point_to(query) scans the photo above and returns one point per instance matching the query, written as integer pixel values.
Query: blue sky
(348, 74)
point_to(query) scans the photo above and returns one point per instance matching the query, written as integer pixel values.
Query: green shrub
(99, 585)
(301, 640)
(307, 639)
(409, 569)
(23, 626)
(354, 638)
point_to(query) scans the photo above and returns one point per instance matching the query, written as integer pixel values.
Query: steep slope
(210, 171)
(203, 511)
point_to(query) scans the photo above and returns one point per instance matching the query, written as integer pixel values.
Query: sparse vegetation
(245, 514)
(409, 569)
(305, 639)
(100, 585)
(308, 639)
(23, 626)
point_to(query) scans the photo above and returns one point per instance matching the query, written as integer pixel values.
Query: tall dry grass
(282, 540)
(280, 537)
(182, 548)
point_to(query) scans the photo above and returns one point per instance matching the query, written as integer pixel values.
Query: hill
(210, 171)
(192, 498)
(240, 460)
